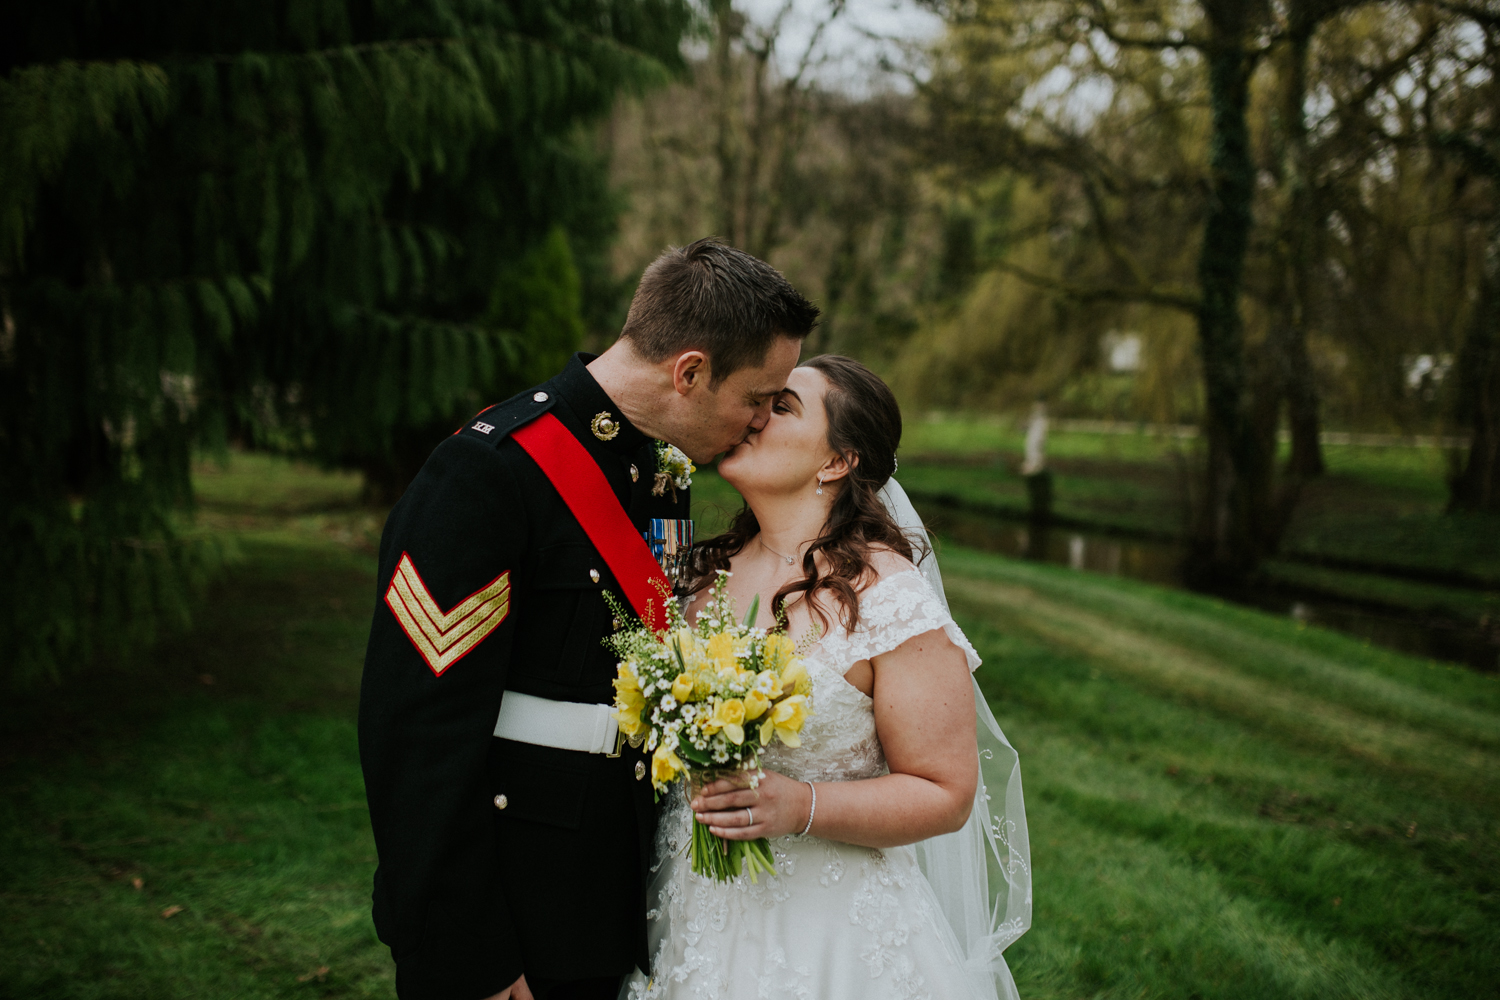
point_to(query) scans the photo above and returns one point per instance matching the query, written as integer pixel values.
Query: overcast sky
(855, 42)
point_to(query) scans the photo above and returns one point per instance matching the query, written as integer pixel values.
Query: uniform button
(501, 801)
(635, 474)
(539, 397)
(594, 575)
(640, 770)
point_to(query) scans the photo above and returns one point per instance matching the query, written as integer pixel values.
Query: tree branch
(1104, 293)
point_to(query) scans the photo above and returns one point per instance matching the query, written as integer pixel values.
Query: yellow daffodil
(788, 718)
(665, 766)
(729, 715)
(779, 650)
(625, 678)
(794, 678)
(685, 642)
(721, 651)
(629, 702)
(682, 688)
(756, 705)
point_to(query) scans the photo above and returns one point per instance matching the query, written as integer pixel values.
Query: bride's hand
(735, 811)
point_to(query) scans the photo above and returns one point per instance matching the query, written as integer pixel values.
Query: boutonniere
(673, 468)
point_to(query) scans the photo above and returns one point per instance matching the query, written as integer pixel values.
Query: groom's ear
(690, 369)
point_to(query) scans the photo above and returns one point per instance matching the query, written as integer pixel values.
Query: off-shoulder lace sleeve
(894, 610)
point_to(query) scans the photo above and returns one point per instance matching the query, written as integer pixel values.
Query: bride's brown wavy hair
(864, 426)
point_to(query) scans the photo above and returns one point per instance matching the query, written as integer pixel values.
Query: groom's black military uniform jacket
(469, 895)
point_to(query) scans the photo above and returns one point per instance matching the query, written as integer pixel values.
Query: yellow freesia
(729, 715)
(779, 650)
(788, 718)
(794, 678)
(756, 705)
(682, 687)
(665, 766)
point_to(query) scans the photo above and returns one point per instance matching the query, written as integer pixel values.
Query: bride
(902, 867)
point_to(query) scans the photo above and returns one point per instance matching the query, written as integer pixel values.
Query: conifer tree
(335, 226)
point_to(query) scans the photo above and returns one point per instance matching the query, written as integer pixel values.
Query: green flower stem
(723, 860)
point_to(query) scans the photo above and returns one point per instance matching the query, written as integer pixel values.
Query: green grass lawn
(1222, 803)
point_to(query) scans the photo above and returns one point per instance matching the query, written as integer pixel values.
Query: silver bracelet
(813, 810)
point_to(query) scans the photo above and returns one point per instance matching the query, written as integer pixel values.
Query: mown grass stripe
(1181, 672)
(1313, 660)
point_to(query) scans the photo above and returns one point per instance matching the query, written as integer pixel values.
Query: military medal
(669, 540)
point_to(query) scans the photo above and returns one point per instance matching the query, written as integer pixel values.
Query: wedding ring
(750, 817)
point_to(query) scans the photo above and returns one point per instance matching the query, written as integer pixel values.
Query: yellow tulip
(664, 766)
(779, 650)
(729, 715)
(794, 678)
(682, 687)
(788, 718)
(625, 678)
(756, 705)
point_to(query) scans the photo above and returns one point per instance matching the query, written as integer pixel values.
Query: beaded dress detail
(836, 921)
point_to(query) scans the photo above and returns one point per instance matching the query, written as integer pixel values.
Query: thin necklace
(785, 558)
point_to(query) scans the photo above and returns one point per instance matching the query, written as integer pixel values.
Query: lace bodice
(839, 741)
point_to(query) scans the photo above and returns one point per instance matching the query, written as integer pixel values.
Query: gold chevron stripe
(444, 638)
(460, 611)
(436, 634)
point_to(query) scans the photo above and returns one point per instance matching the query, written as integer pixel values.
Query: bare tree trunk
(1284, 376)
(1477, 484)
(1223, 547)
(1301, 216)
(727, 25)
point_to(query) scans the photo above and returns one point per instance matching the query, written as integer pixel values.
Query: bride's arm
(924, 715)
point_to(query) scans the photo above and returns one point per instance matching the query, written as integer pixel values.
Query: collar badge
(604, 426)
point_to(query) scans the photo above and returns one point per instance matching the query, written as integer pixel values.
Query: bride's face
(786, 454)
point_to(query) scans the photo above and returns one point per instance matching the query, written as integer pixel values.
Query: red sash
(578, 478)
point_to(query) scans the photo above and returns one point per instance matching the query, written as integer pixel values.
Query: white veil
(981, 874)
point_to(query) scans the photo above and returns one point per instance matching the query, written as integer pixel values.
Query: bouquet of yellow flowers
(705, 700)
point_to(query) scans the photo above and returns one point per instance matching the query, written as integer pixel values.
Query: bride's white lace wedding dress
(836, 921)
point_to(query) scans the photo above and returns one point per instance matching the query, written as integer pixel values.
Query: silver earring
(820, 486)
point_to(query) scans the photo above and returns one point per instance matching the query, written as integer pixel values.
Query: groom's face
(721, 416)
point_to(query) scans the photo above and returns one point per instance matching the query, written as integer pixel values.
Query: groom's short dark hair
(716, 299)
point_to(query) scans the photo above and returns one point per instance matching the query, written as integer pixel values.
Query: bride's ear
(837, 468)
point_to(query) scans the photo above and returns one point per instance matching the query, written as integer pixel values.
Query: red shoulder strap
(576, 476)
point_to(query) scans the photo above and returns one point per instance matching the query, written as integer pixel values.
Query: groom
(513, 842)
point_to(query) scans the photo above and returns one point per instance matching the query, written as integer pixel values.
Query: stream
(1423, 635)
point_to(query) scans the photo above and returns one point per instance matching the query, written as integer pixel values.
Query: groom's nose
(762, 416)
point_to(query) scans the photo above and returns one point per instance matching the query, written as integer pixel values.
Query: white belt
(566, 725)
